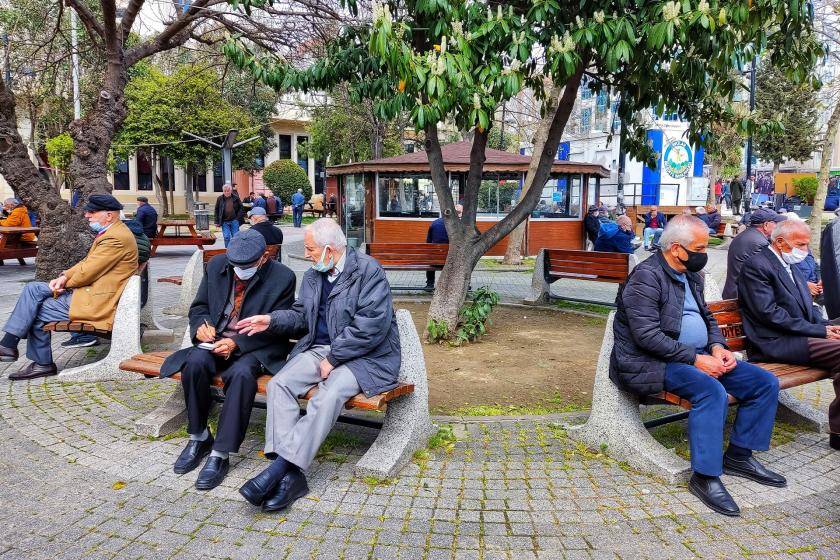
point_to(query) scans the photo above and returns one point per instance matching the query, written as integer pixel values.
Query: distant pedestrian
(147, 216)
(736, 190)
(298, 200)
(228, 212)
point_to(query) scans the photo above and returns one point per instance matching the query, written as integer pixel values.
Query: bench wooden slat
(586, 256)
(149, 366)
(177, 280)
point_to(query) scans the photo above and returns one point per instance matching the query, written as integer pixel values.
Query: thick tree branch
(128, 18)
(92, 25)
(174, 34)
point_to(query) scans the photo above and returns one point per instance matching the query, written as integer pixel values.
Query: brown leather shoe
(8, 354)
(33, 371)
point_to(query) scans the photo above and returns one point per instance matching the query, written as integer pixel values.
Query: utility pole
(227, 147)
(7, 66)
(747, 183)
(74, 42)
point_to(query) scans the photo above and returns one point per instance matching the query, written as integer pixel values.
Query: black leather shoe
(712, 492)
(834, 441)
(8, 354)
(212, 474)
(291, 488)
(258, 488)
(752, 469)
(192, 455)
(34, 371)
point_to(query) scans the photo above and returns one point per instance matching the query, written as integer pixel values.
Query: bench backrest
(586, 265)
(728, 318)
(408, 253)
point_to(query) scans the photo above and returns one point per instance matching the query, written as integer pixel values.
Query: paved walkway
(75, 482)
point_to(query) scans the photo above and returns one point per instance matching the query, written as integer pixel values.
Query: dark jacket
(238, 209)
(613, 239)
(778, 313)
(148, 217)
(660, 217)
(647, 326)
(437, 232)
(272, 233)
(736, 189)
(809, 268)
(361, 322)
(830, 269)
(745, 245)
(711, 219)
(272, 288)
(144, 246)
(592, 225)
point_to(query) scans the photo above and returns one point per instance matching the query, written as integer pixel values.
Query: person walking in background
(147, 216)
(736, 190)
(298, 200)
(437, 234)
(725, 196)
(718, 190)
(228, 212)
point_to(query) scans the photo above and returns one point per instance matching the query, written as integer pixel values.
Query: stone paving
(75, 482)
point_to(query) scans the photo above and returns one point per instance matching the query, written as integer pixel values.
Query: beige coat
(98, 280)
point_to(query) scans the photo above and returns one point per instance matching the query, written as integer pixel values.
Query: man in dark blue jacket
(616, 237)
(348, 343)
(437, 234)
(666, 339)
(780, 322)
(147, 216)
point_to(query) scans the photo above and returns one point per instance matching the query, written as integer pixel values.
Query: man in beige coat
(87, 292)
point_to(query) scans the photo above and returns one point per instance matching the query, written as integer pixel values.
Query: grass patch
(554, 405)
(373, 481)
(585, 307)
(443, 439)
(715, 241)
(527, 263)
(335, 441)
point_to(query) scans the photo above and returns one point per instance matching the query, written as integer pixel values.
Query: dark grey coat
(361, 322)
(647, 326)
(743, 246)
(272, 288)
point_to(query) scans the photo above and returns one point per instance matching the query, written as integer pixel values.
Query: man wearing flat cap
(241, 283)
(87, 292)
(746, 244)
(147, 216)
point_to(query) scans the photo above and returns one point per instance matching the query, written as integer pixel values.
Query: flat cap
(99, 202)
(762, 215)
(258, 211)
(246, 247)
(143, 199)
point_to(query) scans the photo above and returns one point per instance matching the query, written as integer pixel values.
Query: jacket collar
(787, 279)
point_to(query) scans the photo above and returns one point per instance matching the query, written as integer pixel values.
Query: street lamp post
(748, 182)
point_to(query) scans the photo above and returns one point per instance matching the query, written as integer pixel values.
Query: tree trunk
(160, 195)
(451, 288)
(64, 237)
(815, 221)
(714, 170)
(513, 253)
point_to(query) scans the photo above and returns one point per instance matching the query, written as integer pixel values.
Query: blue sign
(556, 197)
(564, 150)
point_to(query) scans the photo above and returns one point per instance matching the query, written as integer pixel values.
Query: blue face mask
(321, 266)
(96, 226)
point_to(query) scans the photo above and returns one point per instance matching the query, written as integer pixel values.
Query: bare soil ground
(531, 361)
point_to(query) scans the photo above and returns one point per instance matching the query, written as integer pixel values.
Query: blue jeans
(229, 229)
(34, 308)
(757, 391)
(652, 234)
(297, 215)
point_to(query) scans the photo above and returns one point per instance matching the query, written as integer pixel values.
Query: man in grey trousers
(348, 343)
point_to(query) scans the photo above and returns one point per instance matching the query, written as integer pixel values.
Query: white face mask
(796, 256)
(245, 273)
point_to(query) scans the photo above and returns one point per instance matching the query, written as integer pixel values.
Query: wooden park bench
(193, 238)
(409, 256)
(11, 246)
(194, 272)
(615, 420)
(556, 264)
(405, 428)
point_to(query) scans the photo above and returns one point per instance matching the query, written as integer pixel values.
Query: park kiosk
(393, 200)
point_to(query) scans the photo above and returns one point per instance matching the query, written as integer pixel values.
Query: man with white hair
(348, 343)
(228, 212)
(666, 339)
(16, 215)
(780, 323)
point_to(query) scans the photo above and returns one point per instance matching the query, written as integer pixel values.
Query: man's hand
(710, 365)
(206, 333)
(815, 288)
(326, 368)
(725, 356)
(253, 325)
(224, 347)
(57, 284)
(832, 332)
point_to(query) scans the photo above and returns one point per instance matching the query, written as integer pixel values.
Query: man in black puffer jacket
(666, 339)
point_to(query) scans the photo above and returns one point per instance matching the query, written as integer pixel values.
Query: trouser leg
(647, 235)
(38, 347)
(657, 233)
(825, 353)
(707, 416)
(430, 277)
(757, 391)
(26, 309)
(240, 378)
(196, 377)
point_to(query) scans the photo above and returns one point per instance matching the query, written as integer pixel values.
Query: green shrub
(60, 151)
(284, 178)
(475, 314)
(806, 188)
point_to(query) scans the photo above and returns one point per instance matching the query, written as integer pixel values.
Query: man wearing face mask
(348, 343)
(238, 284)
(88, 291)
(780, 323)
(746, 244)
(666, 339)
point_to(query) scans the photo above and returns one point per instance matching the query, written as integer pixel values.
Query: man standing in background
(228, 210)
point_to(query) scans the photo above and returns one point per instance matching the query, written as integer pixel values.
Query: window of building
(407, 196)
(497, 194)
(199, 178)
(122, 181)
(560, 198)
(165, 175)
(284, 145)
(586, 119)
(302, 155)
(601, 101)
(218, 176)
(320, 176)
(144, 173)
(585, 92)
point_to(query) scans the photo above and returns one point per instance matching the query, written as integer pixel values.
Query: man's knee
(243, 372)
(199, 362)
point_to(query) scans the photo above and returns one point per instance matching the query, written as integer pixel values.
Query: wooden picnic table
(192, 237)
(11, 246)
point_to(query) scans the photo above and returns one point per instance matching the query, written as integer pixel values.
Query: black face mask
(695, 261)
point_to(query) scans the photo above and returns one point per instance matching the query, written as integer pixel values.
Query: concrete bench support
(193, 274)
(615, 421)
(540, 288)
(153, 331)
(125, 341)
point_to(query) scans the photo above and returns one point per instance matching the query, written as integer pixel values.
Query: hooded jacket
(613, 239)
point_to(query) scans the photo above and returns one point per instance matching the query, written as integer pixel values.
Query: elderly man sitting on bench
(87, 292)
(348, 344)
(666, 339)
